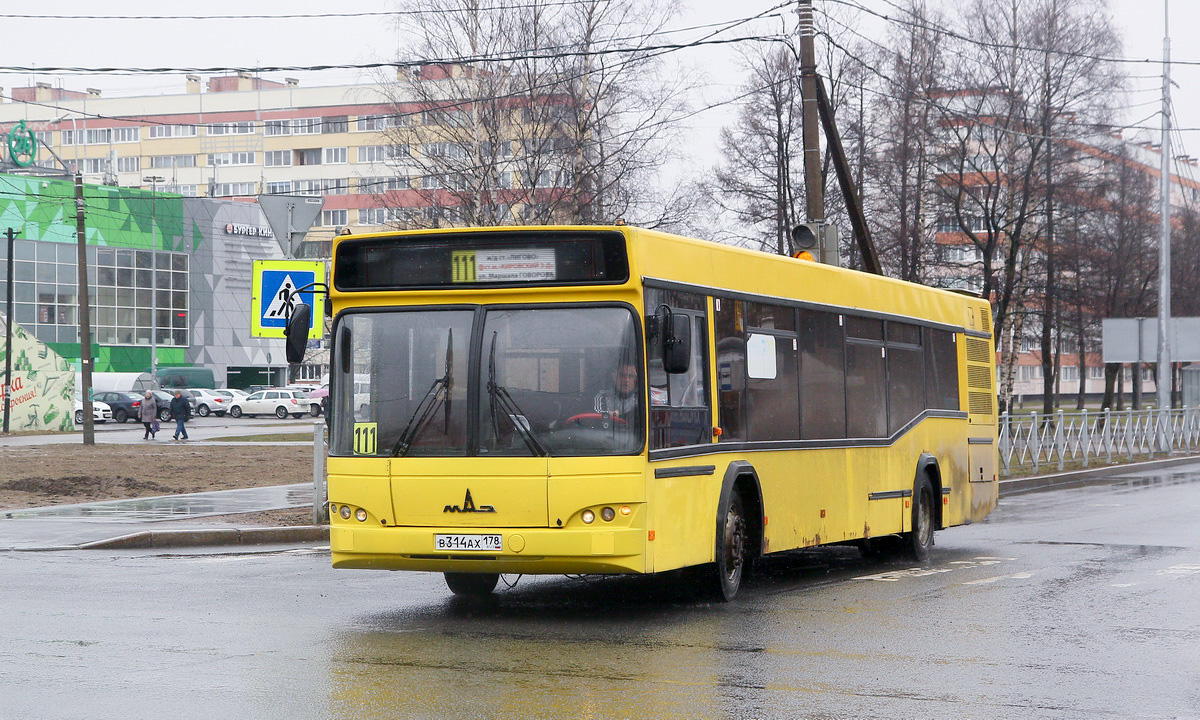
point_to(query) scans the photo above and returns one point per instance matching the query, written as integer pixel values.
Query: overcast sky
(174, 43)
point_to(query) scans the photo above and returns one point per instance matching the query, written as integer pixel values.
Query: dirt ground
(36, 476)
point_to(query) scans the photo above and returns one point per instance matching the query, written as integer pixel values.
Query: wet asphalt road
(1080, 603)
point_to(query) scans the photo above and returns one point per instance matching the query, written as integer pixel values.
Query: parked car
(320, 397)
(209, 401)
(125, 405)
(101, 412)
(281, 403)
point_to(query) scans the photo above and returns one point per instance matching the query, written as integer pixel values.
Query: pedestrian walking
(180, 410)
(148, 414)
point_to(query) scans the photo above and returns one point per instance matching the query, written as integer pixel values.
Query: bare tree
(759, 179)
(534, 113)
(901, 170)
(1030, 84)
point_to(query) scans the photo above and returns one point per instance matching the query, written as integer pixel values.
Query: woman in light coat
(148, 413)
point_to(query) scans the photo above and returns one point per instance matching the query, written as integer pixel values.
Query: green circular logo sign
(22, 145)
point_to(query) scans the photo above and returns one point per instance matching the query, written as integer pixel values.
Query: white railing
(1047, 443)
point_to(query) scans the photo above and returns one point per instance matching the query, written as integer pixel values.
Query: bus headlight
(360, 515)
(588, 516)
(608, 514)
(345, 512)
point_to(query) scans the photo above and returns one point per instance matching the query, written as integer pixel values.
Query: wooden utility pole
(815, 107)
(814, 190)
(85, 323)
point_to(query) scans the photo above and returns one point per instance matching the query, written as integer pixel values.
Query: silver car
(210, 402)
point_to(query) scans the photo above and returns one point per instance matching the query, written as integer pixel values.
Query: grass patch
(276, 437)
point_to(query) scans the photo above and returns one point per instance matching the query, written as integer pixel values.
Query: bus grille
(979, 403)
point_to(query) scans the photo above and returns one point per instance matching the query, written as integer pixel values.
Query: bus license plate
(485, 543)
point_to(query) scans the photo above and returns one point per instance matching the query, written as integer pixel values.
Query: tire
(235, 412)
(202, 411)
(917, 543)
(164, 414)
(314, 410)
(78, 417)
(725, 575)
(472, 584)
(281, 412)
(120, 416)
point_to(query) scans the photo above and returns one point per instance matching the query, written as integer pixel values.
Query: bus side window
(679, 413)
(822, 375)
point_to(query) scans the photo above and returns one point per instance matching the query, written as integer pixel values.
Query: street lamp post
(154, 180)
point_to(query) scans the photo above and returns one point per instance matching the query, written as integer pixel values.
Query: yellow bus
(602, 400)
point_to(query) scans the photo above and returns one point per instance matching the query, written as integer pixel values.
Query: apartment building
(239, 136)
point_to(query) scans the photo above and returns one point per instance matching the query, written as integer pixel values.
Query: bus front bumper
(524, 550)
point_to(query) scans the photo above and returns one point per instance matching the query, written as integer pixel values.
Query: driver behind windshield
(621, 400)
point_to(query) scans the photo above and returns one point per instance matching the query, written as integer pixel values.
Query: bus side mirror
(296, 333)
(677, 344)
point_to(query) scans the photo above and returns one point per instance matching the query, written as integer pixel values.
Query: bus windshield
(539, 381)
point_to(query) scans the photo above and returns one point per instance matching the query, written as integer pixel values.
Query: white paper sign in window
(760, 357)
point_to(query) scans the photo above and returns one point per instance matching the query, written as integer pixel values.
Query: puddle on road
(174, 507)
(1158, 480)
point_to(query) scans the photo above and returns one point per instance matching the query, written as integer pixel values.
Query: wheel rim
(236, 412)
(79, 417)
(281, 412)
(202, 411)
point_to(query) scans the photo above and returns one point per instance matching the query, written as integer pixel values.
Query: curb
(210, 537)
(1076, 478)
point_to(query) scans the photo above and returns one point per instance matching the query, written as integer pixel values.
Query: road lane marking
(1186, 569)
(1014, 576)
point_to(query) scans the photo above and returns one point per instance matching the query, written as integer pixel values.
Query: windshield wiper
(499, 397)
(438, 394)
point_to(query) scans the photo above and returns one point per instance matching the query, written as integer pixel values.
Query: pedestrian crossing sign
(274, 296)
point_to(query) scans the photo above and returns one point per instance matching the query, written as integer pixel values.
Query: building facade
(159, 266)
(414, 153)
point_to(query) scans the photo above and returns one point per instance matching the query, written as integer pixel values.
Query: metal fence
(1046, 443)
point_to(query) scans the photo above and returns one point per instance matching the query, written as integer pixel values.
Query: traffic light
(818, 240)
(805, 236)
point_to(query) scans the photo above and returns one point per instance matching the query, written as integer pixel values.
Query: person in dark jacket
(180, 410)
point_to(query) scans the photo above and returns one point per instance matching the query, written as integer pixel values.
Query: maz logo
(468, 506)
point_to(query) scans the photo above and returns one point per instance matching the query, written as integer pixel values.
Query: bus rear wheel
(917, 543)
(473, 584)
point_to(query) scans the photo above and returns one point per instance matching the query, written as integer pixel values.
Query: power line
(499, 57)
(1002, 46)
(295, 16)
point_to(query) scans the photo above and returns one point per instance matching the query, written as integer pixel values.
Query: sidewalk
(159, 522)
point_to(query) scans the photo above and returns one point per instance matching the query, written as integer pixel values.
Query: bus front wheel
(725, 575)
(916, 544)
(475, 584)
